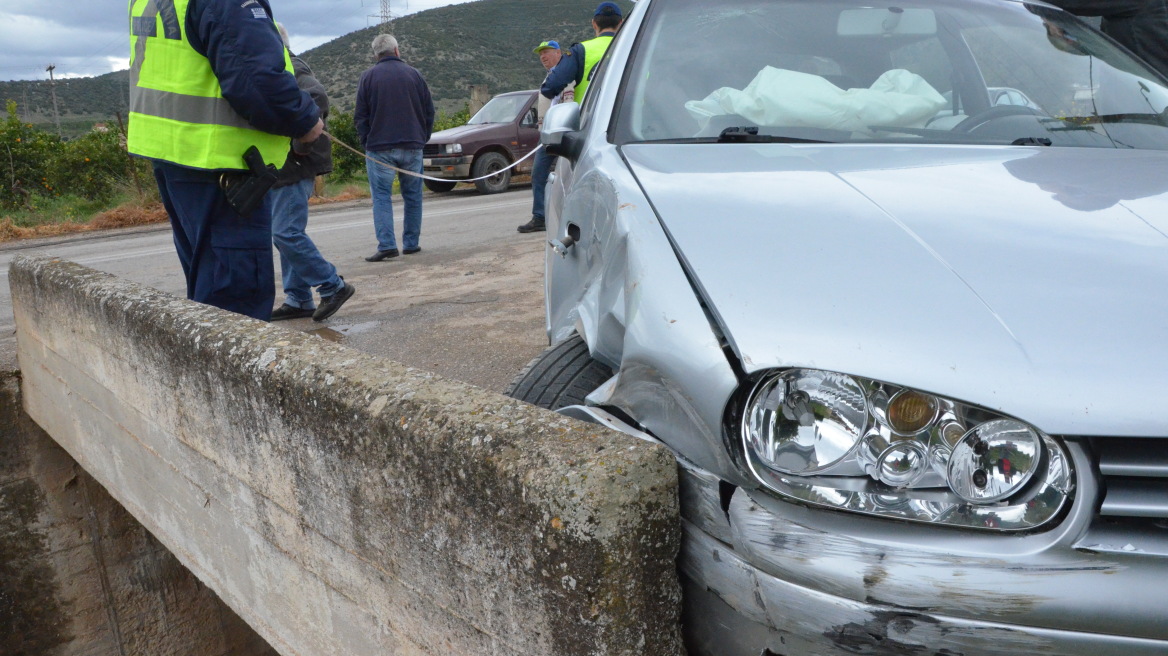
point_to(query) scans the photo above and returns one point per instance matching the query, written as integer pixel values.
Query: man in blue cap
(580, 60)
(549, 55)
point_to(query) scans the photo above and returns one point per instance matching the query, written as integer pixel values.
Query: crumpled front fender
(622, 287)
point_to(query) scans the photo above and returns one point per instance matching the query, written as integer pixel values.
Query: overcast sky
(84, 38)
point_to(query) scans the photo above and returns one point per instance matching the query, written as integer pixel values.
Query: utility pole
(53, 90)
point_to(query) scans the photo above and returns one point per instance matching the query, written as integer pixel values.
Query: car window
(500, 109)
(849, 71)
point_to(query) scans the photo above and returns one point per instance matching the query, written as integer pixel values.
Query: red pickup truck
(503, 131)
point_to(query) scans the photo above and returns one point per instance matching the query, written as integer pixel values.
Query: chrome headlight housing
(450, 149)
(880, 449)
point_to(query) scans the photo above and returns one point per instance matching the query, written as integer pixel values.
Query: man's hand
(314, 133)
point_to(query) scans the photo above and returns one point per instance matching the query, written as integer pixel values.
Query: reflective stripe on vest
(594, 49)
(177, 110)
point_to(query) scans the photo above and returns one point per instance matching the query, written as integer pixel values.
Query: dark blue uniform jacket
(570, 69)
(240, 40)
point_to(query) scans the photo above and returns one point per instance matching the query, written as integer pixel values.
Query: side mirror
(561, 131)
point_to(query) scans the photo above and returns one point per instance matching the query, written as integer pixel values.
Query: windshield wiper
(749, 134)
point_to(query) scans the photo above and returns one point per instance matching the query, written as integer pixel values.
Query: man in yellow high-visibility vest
(209, 81)
(579, 62)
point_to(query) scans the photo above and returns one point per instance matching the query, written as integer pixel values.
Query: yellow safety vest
(594, 49)
(177, 110)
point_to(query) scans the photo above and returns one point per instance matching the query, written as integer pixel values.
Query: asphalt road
(469, 306)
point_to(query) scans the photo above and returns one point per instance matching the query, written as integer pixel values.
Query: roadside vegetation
(52, 186)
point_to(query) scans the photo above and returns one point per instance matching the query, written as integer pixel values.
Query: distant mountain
(486, 42)
(81, 101)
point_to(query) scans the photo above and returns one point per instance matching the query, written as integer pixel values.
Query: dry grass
(119, 217)
(348, 192)
(132, 214)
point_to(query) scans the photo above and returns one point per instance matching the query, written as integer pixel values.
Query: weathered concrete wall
(79, 576)
(343, 504)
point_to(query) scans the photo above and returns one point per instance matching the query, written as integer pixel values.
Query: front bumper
(766, 575)
(454, 168)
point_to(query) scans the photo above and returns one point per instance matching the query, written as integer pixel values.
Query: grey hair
(384, 44)
(284, 35)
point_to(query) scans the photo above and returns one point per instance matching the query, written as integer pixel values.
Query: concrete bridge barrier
(344, 504)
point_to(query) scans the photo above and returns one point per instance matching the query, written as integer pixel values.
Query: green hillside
(81, 101)
(486, 42)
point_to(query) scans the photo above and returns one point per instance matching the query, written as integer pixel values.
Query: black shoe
(411, 251)
(382, 255)
(329, 305)
(534, 225)
(286, 311)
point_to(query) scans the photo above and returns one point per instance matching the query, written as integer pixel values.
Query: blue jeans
(540, 170)
(300, 261)
(227, 258)
(381, 188)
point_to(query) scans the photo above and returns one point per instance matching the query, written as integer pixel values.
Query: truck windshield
(924, 71)
(500, 109)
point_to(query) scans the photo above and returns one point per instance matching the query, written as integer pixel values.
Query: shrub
(444, 122)
(93, 166)
(25, 162)
(346, 163)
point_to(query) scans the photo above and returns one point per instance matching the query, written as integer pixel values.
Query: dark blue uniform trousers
(227, 258)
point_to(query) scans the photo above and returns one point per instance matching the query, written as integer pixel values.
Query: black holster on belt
(245, 189)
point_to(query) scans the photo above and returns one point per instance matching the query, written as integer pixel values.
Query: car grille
(1133, 511)
(430, 150)
(1135, 476)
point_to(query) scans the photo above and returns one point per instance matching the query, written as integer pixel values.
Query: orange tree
(25, 162)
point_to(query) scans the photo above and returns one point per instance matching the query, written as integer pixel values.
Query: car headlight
(451, 149)
(876, 448)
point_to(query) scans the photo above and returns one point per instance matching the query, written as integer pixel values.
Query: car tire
(487, 164)
(561, 376)
(439, 186)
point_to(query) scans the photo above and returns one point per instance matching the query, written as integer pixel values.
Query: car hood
(1028, 280)
(452, 135)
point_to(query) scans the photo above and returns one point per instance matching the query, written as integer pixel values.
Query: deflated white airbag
(780, 97)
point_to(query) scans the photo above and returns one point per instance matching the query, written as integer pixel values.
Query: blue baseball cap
(608, 9)
(546, 45)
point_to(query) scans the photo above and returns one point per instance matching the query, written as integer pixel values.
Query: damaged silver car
(891, 280)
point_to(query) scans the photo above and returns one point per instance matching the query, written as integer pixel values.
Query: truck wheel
(439, 186)
(560, 376)
(486, 165)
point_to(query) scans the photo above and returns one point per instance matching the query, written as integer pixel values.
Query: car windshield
(500, 109)
(922, 71)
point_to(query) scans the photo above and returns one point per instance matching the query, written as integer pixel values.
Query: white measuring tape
(427, 177)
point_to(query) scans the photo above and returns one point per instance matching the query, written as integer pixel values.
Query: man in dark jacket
(301, 263)
(394, 118)
(208, 83)
(1140, 25)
